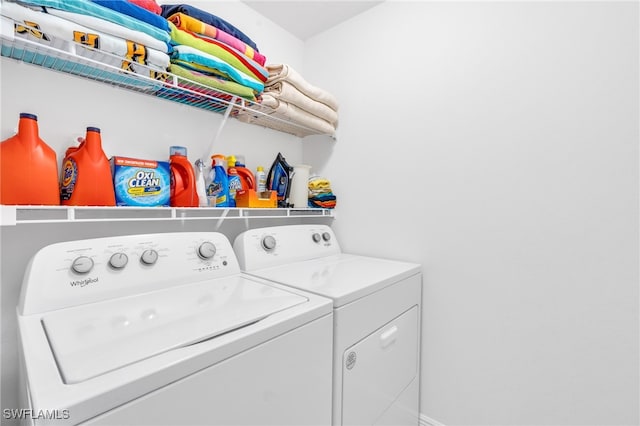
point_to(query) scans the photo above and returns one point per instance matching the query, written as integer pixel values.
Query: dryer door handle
(387, 337)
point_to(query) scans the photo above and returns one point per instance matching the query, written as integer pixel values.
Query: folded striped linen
(207, 18)
(140, 13)
(49, 29)
(284, 72)
(320, 194)
(324, 201)
(219, 50)
(107, 27)
(285, 91)
(190, 24)
(27, 53)
(291, 113)
(86, 7)
(188, 57)
(213, 81)
(318, 185)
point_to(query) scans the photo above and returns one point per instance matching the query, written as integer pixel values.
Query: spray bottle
(201, 187)
(218, 182)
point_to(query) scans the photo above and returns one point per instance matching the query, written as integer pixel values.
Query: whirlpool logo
(84, 282)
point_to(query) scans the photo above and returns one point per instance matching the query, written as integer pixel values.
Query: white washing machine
(164, 329)
(377, 307)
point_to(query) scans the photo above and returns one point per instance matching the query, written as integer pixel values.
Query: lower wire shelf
(16, 215)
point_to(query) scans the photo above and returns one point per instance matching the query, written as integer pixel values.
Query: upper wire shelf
(84, 61)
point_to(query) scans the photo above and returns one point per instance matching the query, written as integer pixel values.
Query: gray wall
(497, 144)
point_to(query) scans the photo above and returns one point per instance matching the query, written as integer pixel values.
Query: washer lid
(342, 277)
(93, 339)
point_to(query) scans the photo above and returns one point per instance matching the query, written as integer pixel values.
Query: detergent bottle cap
(27, 115)
(93, 129)
(219, 160)
(178, 150)
(231, 160)
(260, 169)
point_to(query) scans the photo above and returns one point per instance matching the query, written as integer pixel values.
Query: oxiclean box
(141, 183)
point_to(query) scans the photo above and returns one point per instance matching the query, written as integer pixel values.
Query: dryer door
(377, 369)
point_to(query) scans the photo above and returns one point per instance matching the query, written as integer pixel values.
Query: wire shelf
(11, 215)
(86, 62)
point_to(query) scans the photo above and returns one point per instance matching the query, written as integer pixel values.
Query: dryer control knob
(316, 237)
(149, 257)
(82, 265)
(206, 250)
(118, 260)
(268, 242)
(326, 236)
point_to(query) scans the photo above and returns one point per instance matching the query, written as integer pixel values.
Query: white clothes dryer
(377, 308)
(164, 329)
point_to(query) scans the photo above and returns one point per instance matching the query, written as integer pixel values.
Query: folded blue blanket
(135, 11)
(86, 7)
(207, 18)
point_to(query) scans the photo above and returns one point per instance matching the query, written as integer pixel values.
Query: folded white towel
(308, 124)
(280, 72)
(287, 92)
(298, 115)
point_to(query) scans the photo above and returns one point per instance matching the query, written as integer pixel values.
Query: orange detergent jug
(28, 167)
(183, 179)
(86, 174)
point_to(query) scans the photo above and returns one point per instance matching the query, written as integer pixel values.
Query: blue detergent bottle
(218, 185)
(235, 184)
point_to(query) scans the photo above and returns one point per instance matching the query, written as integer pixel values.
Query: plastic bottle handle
(181, 178)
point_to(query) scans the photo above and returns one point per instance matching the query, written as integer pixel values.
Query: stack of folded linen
(320, 194)
(115, 32)
(214, 53)
(290, 97)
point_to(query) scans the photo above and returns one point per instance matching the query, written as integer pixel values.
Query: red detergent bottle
(246, 177)
(28, 167)
(183, 179)
(86, 174)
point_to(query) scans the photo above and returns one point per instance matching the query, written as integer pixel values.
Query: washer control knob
(207, 250)
(268, 242)
(82, 265)
(326, 236)
(316, 237)
(118, 260)
(149, 257)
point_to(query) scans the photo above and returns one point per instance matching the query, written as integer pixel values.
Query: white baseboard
(428, 421)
